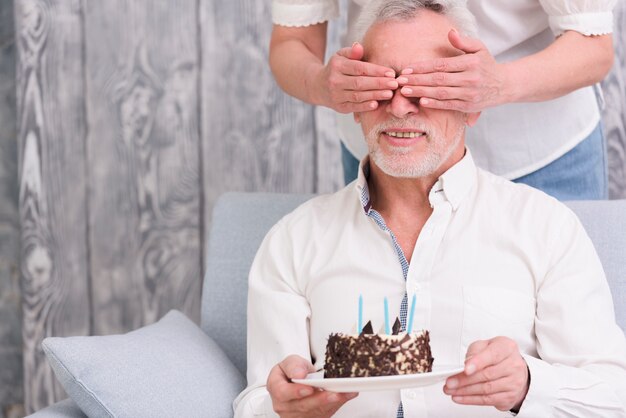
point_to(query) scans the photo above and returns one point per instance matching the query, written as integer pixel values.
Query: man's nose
(401, 106)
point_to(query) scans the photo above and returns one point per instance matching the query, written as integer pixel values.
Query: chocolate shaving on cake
(397, 327)
(367, 329)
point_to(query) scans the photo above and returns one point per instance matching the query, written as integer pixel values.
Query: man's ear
(471, 118)
(357, 117)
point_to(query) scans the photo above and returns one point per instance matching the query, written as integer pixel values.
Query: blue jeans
(580, 174)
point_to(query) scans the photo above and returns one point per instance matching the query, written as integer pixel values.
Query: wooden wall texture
(11, 381)
(133, 116)
(614, 114)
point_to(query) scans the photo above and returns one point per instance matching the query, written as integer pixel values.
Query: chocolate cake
(369, 354)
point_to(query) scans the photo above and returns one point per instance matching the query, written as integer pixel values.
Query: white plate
(364, 384)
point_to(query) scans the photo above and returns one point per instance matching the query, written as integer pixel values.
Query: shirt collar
(459, 180)
(452, 186)
(361, 184)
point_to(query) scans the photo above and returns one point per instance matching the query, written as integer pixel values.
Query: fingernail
(424, 101)
(373, 105)
(455, 31)
(390, 74)
(406, 90)
(407, 71)
(393, 84)
(402, 80)
(354, 44)
(387, 94)
(298, 373)
(333, 397)
(452, 383)
(470, 369)
(305, 392)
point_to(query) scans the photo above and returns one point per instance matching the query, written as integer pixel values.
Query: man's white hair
(377, 11)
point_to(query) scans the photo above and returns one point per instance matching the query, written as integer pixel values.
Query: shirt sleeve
(303, 12)
(581, 369)
(254, 402)
(584, 16)
(277, 319)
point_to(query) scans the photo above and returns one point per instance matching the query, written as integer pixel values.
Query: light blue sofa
(241, 220)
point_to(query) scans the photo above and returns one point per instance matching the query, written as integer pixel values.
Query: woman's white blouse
(513, 139)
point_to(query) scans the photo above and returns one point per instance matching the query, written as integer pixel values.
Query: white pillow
(167, 369)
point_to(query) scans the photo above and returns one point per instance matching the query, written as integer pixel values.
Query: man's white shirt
(494, 259)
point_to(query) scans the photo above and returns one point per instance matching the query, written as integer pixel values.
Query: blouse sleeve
(588, 17)
(303, 12)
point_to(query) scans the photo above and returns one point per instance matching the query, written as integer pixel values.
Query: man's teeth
(405, 134)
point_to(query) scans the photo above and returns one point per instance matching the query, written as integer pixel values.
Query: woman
(533, 78)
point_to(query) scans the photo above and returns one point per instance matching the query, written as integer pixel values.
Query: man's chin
(398, 167)
(399, 151)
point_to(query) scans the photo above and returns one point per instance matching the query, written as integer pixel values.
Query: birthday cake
(368, 354)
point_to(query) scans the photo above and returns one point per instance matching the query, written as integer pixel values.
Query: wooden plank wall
(51, 137)
(257, 138)
(11, 382)
(141, 68)
(133, 116)
(614, 114)
(160, 118)
(328, 152)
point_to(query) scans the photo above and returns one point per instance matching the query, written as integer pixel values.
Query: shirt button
(411, 394)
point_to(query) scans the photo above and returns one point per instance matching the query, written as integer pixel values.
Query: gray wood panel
(51, 119)
(254, 137)
(328, 162)
(11, 380)
(329, 171)
(614, 114)
(143, 157)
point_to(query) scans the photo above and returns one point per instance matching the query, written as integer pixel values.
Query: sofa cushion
(66, 408)
(605, 222)
(240, 222)
(167, 369)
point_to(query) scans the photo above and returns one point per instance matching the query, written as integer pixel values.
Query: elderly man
(505, 278)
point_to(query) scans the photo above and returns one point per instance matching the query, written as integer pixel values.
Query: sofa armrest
(63, 409)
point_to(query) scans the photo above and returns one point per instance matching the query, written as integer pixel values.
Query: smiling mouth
(404, 134)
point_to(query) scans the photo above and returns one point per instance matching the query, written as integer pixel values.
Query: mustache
(402, 124)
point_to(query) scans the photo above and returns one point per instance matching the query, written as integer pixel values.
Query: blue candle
(360, 324)
(387, 330)
(410, 327)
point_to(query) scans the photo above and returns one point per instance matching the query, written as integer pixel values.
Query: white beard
(399, 163)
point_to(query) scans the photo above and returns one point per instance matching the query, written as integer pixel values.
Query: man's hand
(294, 400)
(495, 374)
(467, 83)
(347, 84)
